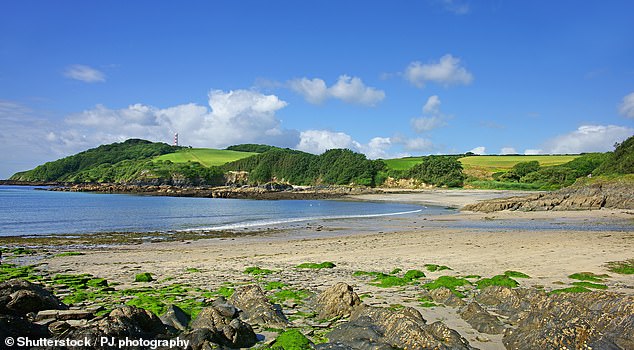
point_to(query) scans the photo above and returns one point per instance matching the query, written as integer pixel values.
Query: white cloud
(588, 138)
(319, 141)
(533, 152)
(239, 116)
(377, 147)
(432, 117)
(508, 150)
(423, 124)
(457, 7)
(418, 145)
(479, 150)
(626, 108)
(347, 89)
(432, 106)
(84, 73)
(447, 71)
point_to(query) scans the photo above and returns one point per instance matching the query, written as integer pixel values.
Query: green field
(402, 163)
(205, 156)
(487, 163)
(504, 163)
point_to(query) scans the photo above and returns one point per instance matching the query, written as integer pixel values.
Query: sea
(31, 211)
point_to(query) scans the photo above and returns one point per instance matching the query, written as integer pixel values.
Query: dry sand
(549, 256)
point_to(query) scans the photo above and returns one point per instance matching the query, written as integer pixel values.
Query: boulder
(225, 328)
(20, 297)
(337, 301)
(175, 317)
(597, 320)
(480, 319)
(379, 328)
(445, 296)
(256, 309)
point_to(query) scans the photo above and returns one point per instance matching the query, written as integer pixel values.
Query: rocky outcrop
(224, 327)
(255, 308)
(336, 301)
(19, 297)
(266, 191)
(614, 195)
(480, 319)
(378, 328)
(575, 321)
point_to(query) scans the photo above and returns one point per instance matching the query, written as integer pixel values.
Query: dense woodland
(133, 162)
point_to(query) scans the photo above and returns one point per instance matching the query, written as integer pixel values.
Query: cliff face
(614, 195)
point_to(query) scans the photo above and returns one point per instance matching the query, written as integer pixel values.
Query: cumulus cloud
(626, 108)
(533, 152)
(432, 117)
(479, 150)
(84, 73)
(588, 138)
(447, 71)
(347, 89)
(239, 116)
(423, 124)
(418, 144)
(319, 141)
(508, 150)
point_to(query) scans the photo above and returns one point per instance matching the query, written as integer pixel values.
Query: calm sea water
(27, 211)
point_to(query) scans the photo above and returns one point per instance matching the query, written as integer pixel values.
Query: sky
(386, 78)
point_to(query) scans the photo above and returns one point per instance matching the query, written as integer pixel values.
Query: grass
(289, 294)
(590, 285)
(323, 265)
(434, 267)
(385, 280)
(143, 277)
(516, 274)
(275, 285)
(625, 267)
(588, 276)
(504, 163)
(448, 282)
(205, 156)
(402, 163)
(575, 289)
(291, 339)
(256, 270)
(498, 280)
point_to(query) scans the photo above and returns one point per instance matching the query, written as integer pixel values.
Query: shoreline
(548, 256)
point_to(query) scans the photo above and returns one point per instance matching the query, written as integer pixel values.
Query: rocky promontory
(266, 191)
(595, 195)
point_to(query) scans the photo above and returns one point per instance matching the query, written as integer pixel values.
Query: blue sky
(385, 78)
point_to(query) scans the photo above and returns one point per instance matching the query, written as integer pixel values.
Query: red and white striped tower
(176, 139)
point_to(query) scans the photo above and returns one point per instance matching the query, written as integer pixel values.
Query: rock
(602, 194)
(224, 308)
(445, 296)
(58, 327)
(597, 320)
(63, 315)
(508, 301)
(20, 297)
(337, 301)
(481, 320)
(256, 308)
(239, 334)
(127, 321)
(210, 318)
(175, 317)
(198, 338)
(18, 326)
(379, 328)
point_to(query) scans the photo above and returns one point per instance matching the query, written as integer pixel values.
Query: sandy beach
(548, 256)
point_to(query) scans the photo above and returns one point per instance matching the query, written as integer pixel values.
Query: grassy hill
(205, 156)
(487, 163)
